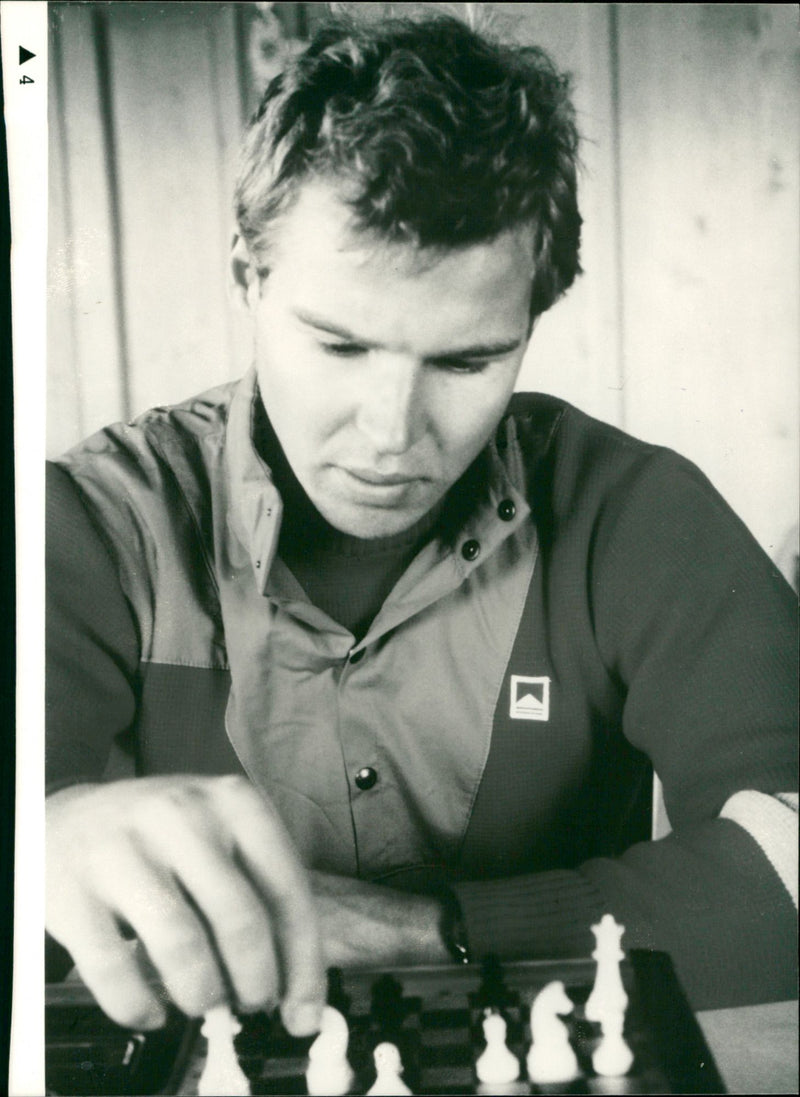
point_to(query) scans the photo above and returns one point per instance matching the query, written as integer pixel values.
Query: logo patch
(530, 698)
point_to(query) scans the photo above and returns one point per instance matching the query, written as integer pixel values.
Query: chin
(372, 523)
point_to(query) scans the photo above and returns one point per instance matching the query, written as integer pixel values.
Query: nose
(390, 410)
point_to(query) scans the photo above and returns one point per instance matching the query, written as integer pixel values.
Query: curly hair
(433, 135)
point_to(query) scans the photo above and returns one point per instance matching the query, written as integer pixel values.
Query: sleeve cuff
(547, 915)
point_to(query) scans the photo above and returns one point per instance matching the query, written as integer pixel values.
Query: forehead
(319, 258)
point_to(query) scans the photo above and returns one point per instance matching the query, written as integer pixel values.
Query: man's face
(384, 371)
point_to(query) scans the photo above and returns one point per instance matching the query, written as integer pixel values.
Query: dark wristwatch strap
(453, 929)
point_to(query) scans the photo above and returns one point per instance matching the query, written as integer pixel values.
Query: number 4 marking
(26, 80)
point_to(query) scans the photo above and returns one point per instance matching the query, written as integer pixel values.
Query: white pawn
(329, 1073)
(389, 1068)
(612, 1057)
(222, 1073)
(551, 1058)
(497, 1065)
(608, 997)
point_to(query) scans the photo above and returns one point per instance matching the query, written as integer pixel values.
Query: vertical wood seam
(616, 161)
(102, 47)
(224, 228)
(243, 76)
(59, 99)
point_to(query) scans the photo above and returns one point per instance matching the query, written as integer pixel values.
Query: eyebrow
(479, 350)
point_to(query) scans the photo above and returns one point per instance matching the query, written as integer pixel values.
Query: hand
(370, 925)
(202, 871)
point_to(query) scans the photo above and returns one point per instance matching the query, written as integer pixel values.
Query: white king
(608, 995)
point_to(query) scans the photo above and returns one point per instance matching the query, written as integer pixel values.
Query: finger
(234, 913)
(171, 931)
(270, 857)
(109, 966)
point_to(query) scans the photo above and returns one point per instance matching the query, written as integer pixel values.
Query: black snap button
(506, 510)
(366, 778)
(357, 656)
(470, 550)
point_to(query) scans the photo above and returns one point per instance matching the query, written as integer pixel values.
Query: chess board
(434, 1016)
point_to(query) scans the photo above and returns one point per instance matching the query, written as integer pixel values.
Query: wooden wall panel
(64, 413)
(176, 122)
(85, 368)
(709, 177)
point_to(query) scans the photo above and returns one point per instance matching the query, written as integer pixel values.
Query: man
(394, 653)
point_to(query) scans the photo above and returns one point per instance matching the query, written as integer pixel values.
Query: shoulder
(573, 463)
(151, 494)
(596, 488)
(157, 436)
(129, 472)
(547, 427)
(153, 482)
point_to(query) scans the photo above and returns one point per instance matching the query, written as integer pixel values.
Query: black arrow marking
(25, 55)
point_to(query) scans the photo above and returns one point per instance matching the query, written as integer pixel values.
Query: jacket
(599, 614)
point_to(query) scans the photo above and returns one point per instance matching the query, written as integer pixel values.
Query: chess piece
(222, 1073)
(551, 1058)
(612, 1058)
(496, 1065)
(329, 1073)
(608, 997)
(389, 1068)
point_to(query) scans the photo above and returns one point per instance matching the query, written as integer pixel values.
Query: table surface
(755, 1047)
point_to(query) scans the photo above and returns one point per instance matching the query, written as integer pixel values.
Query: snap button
(357, 656)
(366, 778)
(470, 549)
(506, 510)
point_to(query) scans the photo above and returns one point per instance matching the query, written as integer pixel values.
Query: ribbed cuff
(543, 916)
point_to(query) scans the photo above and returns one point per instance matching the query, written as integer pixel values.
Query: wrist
(367, 924)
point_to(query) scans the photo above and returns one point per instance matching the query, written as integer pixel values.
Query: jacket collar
(256, 509)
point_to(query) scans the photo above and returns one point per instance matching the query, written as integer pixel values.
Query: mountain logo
(530, 698)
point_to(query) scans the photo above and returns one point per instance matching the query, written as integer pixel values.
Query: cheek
(282, 375)
(467, 419)
(301, 405)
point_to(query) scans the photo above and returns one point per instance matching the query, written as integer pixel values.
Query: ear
(243, 281)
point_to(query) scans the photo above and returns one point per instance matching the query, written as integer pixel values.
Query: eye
(343, 350)
(461, 365)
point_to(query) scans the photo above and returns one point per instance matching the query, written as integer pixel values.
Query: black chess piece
(337, 995)
(388, 1007)
(492, 993)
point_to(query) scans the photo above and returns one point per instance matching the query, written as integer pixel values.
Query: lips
(366, 487)
(378, 479)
